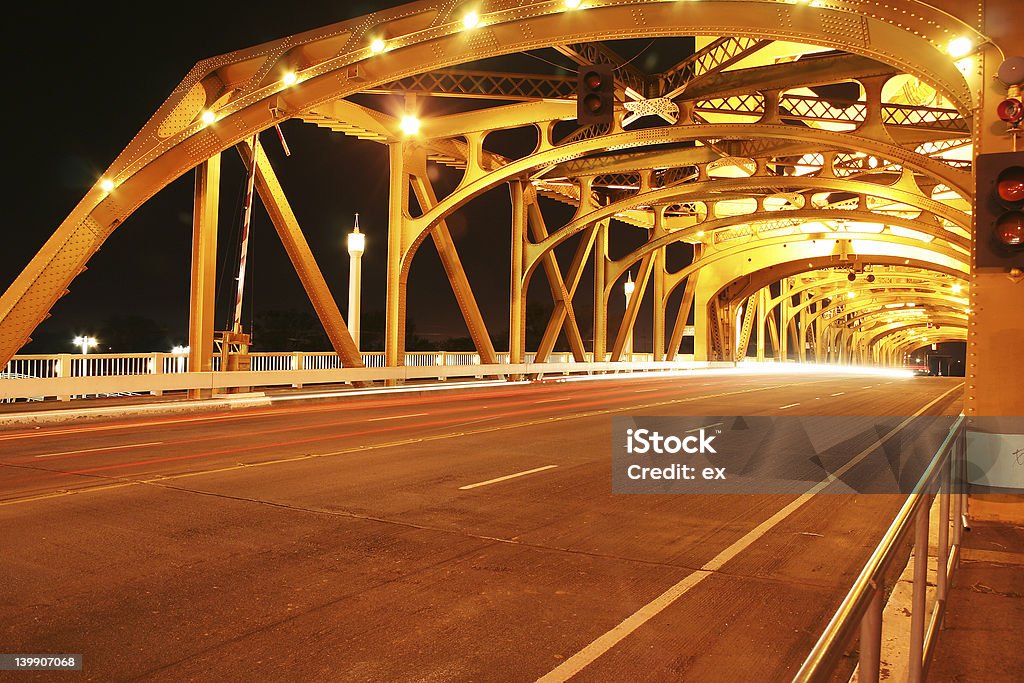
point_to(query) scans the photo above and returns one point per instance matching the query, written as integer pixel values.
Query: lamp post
(356, 246)
(627, 287)
(85, 342)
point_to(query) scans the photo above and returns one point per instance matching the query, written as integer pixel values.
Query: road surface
(469, 535)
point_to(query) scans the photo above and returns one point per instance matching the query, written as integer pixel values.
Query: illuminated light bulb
(209, 117)
(377, 45)
(850, 295)
(572, 4)
(471, 20)
(410, 125)
(957, 288)
(107, 185)
(960, 47)
(290, 78)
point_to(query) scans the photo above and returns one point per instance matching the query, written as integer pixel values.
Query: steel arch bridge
(814, 143)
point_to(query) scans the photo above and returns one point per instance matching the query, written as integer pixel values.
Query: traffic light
(999, 210)
(595, 95)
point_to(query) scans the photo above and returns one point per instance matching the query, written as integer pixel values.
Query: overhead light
(471, 20)
(209, 117)
(377, 45)
(410, 125)
(290, 78)
(107, 185)
(572, 4)
(960, 47)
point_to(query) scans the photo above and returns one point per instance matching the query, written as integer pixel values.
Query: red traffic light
(593, 80)
(1010, 184)
(595, 95)
(1010, 110)
(1010, 229)
(999, 210)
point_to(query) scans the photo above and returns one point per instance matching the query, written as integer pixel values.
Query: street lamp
(181, 353)
(85, 342)
(356, 246)
(627, 287)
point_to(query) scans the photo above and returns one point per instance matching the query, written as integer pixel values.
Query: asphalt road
(385, 539)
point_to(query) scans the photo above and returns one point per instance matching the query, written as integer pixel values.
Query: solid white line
(93, 450)
(552, 400)
(839, 393)
(697, 429)
(573, 665)
(395, 417)
(789, 406)
(506, 477)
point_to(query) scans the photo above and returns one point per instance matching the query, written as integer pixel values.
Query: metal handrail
(864, 603)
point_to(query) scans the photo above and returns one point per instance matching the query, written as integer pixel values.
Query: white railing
(68, 376)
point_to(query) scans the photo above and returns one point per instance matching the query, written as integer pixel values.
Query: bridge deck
(194, 546)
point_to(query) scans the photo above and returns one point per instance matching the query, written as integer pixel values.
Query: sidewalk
(983, 638)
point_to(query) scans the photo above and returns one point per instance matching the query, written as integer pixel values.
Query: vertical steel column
(762, 322)
(398, 202)
(204, 270)
(600, 295)
(787, 300)
(517, 293)
(917, 607)
(659, 304)
(802, 350)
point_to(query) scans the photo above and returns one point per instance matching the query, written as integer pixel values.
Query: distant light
(377, 45)
(628, 286)
(967, 310)
(410, 125)
(209, 117)
(572, 4)
(850, 295)
(290, 78)
(873, 162)
(356, 243)
(957, 288)
(107, 185)
(911, 304)
(471, 20)
(960, 47)
(181, 349)
(700, 233)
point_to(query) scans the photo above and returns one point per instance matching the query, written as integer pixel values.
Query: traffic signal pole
(994, 402)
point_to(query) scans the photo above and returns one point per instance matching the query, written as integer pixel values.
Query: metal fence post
(871, 637)
(917, 614)
(64, 370)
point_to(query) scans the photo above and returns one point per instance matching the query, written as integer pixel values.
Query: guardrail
(109, 364)
(863, 605)
(64, 387)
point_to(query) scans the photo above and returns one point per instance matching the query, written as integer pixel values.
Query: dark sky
(102, 74)
(99, 76)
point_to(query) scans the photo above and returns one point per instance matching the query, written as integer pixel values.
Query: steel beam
(287, 226)
(202, 300)
(442, 237)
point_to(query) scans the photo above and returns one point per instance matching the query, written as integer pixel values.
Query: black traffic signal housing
(595, 95)
(999, 210)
